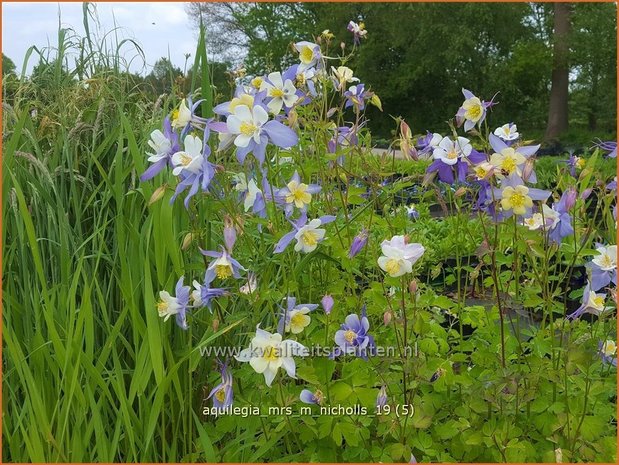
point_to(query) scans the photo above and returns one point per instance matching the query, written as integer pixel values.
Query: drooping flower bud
(327, 303)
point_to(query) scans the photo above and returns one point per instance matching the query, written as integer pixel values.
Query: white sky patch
(161, 30)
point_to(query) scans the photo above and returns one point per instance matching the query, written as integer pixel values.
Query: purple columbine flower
(358, 243)
(358, 31)
(177, 305)
(473, 110)
(356, 97)
(610, 147)
(222, 267)
(562, 225)
(250, 129)
(426, 144)
(512, 160)
(243, 95)
(192, 167)
(508, 133)
(612, 186)
(164, 144)
(591, 303)
(453, 156)
(203, 294)
(309, 397)
(608, 352)
(296, 194)
(574, 162)
(222, 394)
(603, 267)
(294, 318)
(353, 337)
(412, 212)
(327, 303)
(381, 399)
(308, 235)
(309, 55)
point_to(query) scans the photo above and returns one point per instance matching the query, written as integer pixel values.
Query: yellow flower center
(306, 55)
(256, 82)
(517, 199)
(580, 163)
(598, 301)
(309, 238)
(223, 271)
(175, 115)
(480, 172)
(298, 194)
(276, 93)
(185, 159)
(609, 348)
(508, 165)
(350, 336)
(270, 353)
(297, 319)
(606, 261)
(220, 395)
(300, 80)
(244, 99)
(162, 306)
(248, 128)
(452, 154)
(392, 266)
(473, 113)
(318, 395)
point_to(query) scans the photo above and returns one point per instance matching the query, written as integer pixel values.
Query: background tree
(8, 66)
(558, 121)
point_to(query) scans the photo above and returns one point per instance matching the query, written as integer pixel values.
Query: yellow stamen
(350, 336)
(309, 238)
(162, 307)
(220, 395)
(392, 266)
(270, 354)
(297, 319)
(248, 128)
(517, 200)
(223, 271)
(306, 55)
(276, 93)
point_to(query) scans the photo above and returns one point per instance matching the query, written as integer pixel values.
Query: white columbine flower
(181, 117)
(268, 352)
(297, 320)
(507, 132)
(251, 285)
(449, 151)
(309, 236)
(309, 54)
(607, 258)
(189, 159)
(343, 75)
(281, 93)
(160, 144)
(246, 124)
(167, 305)
(399, 257)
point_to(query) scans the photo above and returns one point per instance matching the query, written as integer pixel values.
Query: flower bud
(387, 316)
(586, 193)
(381, 399)
(327, 303)
(215, 324)
(229, 233)
(187, 241)
(157, 195)
(412, 286)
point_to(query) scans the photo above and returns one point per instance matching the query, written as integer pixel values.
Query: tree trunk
(559, 90)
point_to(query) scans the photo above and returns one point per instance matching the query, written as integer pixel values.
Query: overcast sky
(157, 27)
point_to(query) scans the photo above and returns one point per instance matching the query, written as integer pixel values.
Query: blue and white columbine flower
(308, 235)
(399, 256)
(252, 131)
(280, 92)
(353, 339)
(604, 267)
(591, 303)
(222, 394)
(309, 55)
(508, 132)
(295, 318)
(296, 194)
(164, 145)
(176, 306)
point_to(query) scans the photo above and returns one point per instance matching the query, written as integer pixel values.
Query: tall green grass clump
(89, 376)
